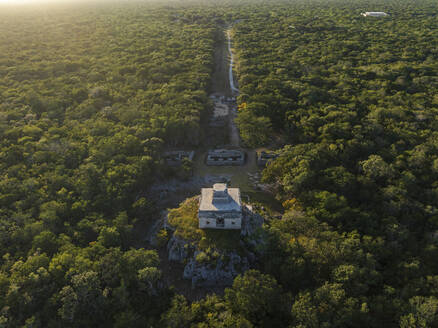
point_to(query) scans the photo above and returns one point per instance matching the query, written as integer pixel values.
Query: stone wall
(223, 157)
(210, 223)
(225, 161)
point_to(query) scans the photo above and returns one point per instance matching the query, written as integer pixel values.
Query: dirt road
(233, 88)
(234, 131)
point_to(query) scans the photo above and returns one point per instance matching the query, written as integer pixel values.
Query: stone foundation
(223, 157)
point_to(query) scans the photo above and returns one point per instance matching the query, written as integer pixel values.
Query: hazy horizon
(42, 2)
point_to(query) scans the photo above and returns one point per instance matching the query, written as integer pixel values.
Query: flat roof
(374, 13)
(220, 187)
(225, 152)
(207, 204)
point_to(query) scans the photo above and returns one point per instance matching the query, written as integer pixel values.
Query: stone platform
(225, 157)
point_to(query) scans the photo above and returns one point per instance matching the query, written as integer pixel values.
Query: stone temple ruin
(221, 111)
(223, 157)
(175, 158)
(220, 208)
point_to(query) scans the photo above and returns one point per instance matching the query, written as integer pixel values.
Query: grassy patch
(185, 221)
(239, 178)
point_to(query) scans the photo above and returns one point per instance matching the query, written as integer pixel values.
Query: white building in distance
(374, 14)
(220, 208)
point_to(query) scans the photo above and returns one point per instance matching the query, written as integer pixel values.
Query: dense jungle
(92, 94)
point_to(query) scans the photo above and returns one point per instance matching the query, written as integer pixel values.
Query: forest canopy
(88, 99)
(91, 95)
(355, 99)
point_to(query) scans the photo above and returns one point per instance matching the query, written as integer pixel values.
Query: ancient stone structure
(175, 158)
(222, 269)
(264, 157)
(220, 208)
(223, 157)
(374, 14)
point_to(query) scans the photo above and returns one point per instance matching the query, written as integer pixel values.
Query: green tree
(254, 131)
(423, 313)
(258, 298)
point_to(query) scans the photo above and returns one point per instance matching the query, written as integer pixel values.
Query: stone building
(374, 14)
(225, 157)
(220, 208)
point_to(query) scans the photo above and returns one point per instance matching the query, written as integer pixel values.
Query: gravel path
(230, 69)
(234, 131)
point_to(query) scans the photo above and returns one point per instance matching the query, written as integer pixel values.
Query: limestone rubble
(228, 264)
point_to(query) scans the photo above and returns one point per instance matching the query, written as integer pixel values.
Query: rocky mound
(212, 257)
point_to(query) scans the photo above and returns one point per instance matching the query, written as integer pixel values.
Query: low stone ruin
(224, 157)
(220, 113)
(175, 158)
(220, 273)
(264, 157)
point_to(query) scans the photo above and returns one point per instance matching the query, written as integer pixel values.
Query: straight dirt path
(219, 79)
(233, 88)
(234, 131)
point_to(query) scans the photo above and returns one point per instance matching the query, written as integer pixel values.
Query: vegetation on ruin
(184, 220)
